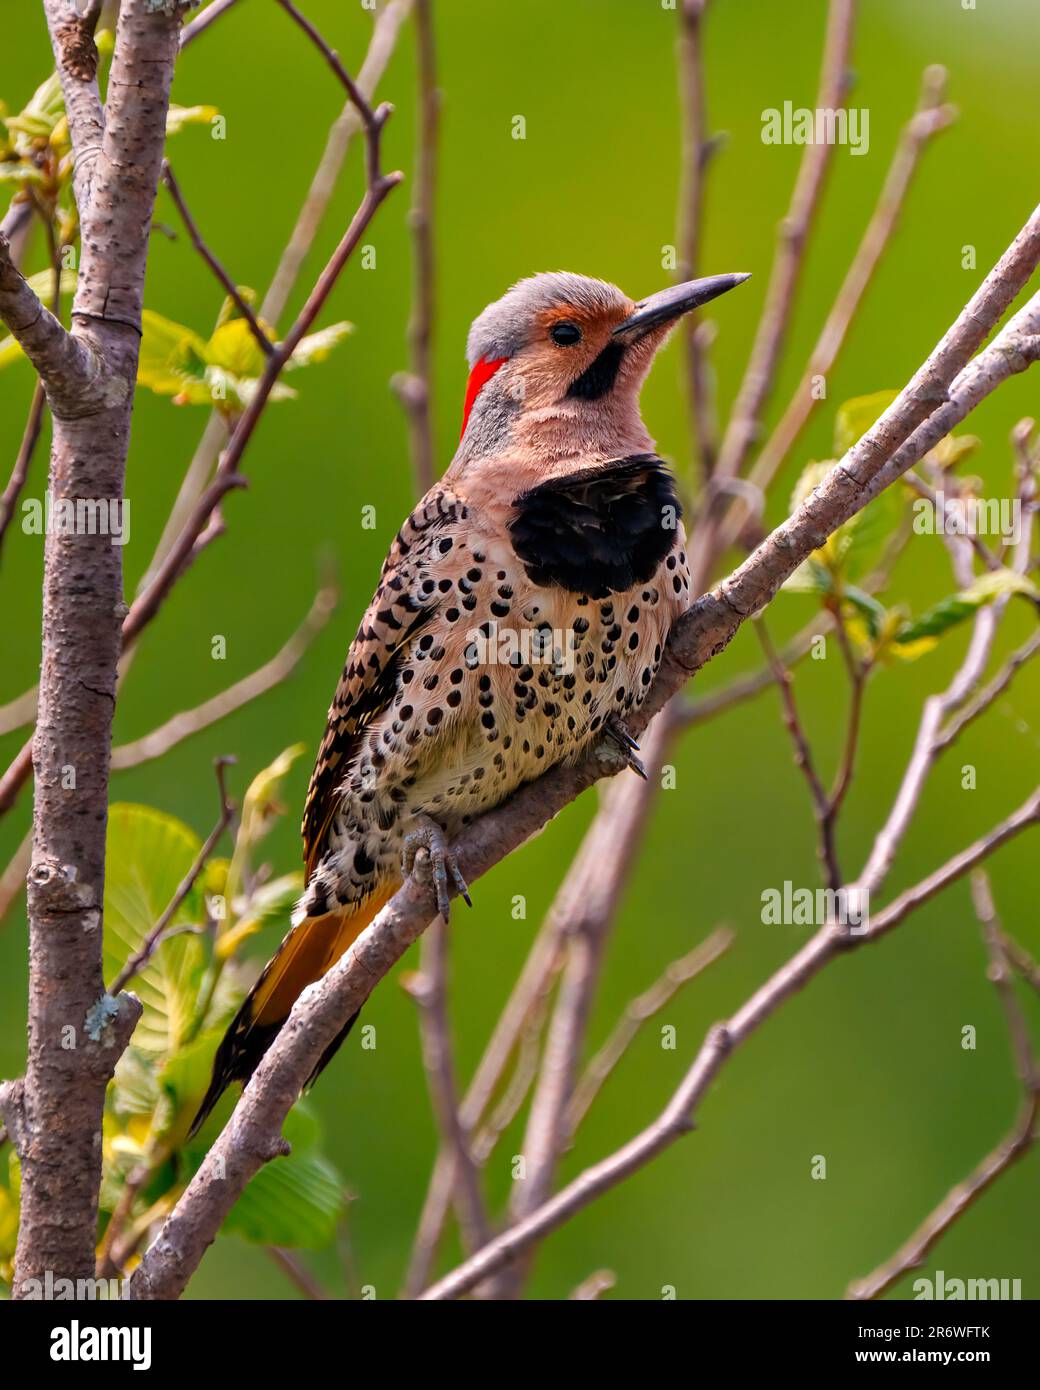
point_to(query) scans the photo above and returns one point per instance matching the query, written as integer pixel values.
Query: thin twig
(592, 1288)
(12, 880)
(587, 905)
(931, 116)
(696, 152)
(160, 932)
(371, 120)
(34, 423)
(201, 22)
(297, 1273)
(1011, 1148)
(858, 672)
(989, 692)
(387, 26)
(181, 550)
(792, 238)
(429, 990)
(190, 722)
(803, 757)
(676, 1119)
(535, 979)
(230, 288)
(518, 1086)
(20, 471)
(638, 1012)
(1023, 962)
(414, 386)
(934, 735)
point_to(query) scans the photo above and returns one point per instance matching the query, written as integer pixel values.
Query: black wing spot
(599, 531)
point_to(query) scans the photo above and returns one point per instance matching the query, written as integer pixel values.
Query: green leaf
(42, 283)
(34, 126)
(872, 612)
(10, 351)
(953, 610)
(10, 1195)
(177, 117)
(995, 583)
(11, 172)
(270, 902)
(137, 1089)
(261, 806)
(847, 551)
(229, 309)
(856, 416)
(148, 855)
(952, 450)
(296, 1201)
(171, 355)
(47, 100)
(316, 347)
(234, 348)
(811, 577)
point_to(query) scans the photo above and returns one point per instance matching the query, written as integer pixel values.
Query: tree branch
(1011, 1148)
(413, 387)
(76, 58)
(230, 288)
(71, 373)
(677, 1117)
(696, 153)
(201, 22)
(792, 237)
(187, 723)
(34, 424)
(638, 1011)
(429, 990)
(931, 117)
(89, 375)
(250, 1137)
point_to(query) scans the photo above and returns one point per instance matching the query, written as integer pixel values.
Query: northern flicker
(521, 613)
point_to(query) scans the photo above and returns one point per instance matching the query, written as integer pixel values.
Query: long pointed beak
(679, 299)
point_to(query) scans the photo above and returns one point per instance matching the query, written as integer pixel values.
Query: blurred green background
(866, 1067)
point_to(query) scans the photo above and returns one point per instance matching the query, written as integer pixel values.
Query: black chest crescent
(601, 530)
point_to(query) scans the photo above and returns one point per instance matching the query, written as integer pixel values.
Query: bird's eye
(566, 334)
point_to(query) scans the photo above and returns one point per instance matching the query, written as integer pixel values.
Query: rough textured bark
(75, 1033)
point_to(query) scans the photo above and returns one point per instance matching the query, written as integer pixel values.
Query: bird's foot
(439, 861)
(618, 747)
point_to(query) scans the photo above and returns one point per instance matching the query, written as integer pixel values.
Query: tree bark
(76, 1033)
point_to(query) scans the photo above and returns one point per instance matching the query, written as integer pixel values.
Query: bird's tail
(307, 952)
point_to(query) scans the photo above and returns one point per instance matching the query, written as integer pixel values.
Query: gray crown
(505, 326)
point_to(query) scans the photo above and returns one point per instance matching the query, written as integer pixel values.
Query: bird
(521, 614)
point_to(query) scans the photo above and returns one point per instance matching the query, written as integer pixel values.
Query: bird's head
(557, 363)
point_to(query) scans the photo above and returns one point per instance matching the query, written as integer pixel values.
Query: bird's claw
(440, 862)
(619, 746)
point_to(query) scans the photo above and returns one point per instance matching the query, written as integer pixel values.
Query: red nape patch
(479, 377)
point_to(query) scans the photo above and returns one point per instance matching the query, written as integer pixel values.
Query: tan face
(573, 355)
(557, 364)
